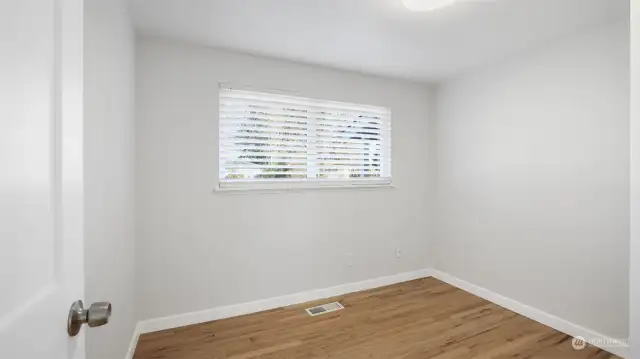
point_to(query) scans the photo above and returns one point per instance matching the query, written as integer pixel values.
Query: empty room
(306, 179)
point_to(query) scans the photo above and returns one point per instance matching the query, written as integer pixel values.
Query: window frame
(293, 184)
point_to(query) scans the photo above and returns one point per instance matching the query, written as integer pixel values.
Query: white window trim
(297, 184)
(304, 185)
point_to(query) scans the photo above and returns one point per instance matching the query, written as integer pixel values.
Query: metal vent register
(324, 309)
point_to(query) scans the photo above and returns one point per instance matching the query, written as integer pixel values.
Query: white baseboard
(599, 340)
(134, 342)
(181, 320)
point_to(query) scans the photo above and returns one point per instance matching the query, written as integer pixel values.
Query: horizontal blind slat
(285, 175)
(322, 146)
(284, 145)
(298, 159)
(292, 133)
(284, 115)
(230, 106)
(341, 167)
(300, 140)
(372, 179)
(299, 154)
(275, 121)
(225, 153)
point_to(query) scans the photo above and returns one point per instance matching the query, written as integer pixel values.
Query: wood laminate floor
(420, 319)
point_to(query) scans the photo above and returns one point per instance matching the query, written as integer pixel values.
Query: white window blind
(278, 141)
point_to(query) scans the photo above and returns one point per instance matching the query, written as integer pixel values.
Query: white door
(41, 225)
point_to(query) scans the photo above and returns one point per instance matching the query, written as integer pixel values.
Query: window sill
(301, 187)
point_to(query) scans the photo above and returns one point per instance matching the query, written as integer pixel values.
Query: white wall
(533, 179)
(199, 249)
(635, 180)
(109, 174)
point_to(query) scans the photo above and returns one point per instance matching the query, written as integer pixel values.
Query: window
(277, 141)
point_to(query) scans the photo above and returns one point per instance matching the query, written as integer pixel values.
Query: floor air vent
(324, 309)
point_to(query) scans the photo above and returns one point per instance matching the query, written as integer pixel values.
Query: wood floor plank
(421, 319)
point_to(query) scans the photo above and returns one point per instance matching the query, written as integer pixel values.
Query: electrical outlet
(398, 253)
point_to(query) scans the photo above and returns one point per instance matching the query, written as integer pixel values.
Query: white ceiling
(375, 36)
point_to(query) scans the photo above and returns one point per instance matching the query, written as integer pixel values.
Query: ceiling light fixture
(427, 5)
